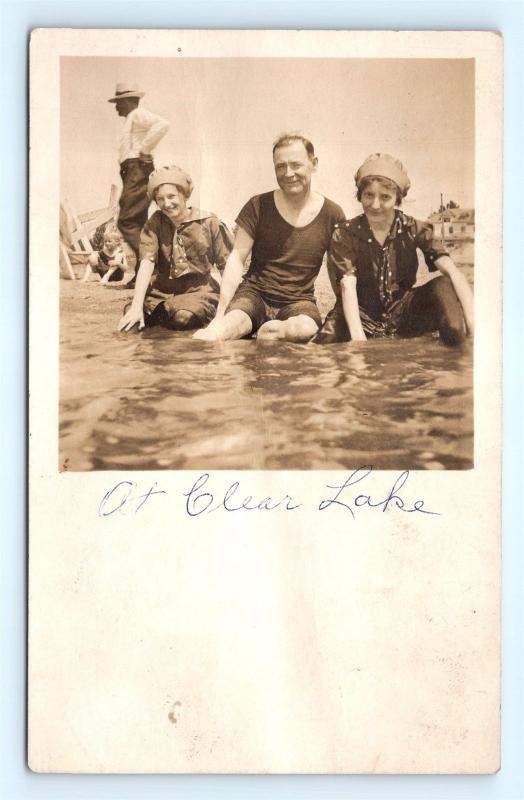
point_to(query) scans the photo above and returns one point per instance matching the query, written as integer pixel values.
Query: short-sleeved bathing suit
(386, 275)
(183, 258)
(285, 261)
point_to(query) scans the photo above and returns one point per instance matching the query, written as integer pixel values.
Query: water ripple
(159, 400)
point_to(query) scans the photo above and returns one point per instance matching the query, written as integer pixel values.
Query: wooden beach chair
(76, 231)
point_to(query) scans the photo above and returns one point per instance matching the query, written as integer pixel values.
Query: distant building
(458, 223)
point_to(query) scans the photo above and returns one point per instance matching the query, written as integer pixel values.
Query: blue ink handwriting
(123, 498)
(199, 502)
(126, 498)
(392, 499)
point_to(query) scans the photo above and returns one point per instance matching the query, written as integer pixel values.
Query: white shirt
(141, 133)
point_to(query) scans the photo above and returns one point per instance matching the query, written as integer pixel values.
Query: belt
(126, 161)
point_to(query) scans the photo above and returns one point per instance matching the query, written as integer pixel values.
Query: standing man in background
(141, 133)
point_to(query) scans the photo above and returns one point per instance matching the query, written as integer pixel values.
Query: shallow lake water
(159, 400)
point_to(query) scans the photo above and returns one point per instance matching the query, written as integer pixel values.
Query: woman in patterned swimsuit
(373, 263)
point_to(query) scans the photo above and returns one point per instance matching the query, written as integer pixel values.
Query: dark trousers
(134, 202)
(431, 307)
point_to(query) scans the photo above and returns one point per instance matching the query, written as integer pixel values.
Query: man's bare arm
(233, 270)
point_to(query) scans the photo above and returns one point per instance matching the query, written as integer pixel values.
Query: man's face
(125, 105)
(294, 168)
(172, 201)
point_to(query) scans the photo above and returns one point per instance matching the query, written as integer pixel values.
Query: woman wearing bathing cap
(179, 245)
(372, 265)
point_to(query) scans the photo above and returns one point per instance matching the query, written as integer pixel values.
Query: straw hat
(125, 90)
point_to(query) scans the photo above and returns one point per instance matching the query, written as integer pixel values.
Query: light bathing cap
(173, 175)
(382, 165)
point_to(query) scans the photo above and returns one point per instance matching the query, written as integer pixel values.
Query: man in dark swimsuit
(287, 233)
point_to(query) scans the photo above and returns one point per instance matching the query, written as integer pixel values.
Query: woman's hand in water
(131, 318)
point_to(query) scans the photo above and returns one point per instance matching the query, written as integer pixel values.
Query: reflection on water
(159, 400)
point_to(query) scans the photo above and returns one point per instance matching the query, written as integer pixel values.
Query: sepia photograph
(266, 263)
(264, 457)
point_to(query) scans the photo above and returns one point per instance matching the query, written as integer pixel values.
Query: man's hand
(131, 318)
(210, 333)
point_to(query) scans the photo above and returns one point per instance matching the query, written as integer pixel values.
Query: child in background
(372, 266)
(109, 262)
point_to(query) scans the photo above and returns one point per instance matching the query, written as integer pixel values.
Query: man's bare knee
(273, 329)
(235, 325)
(300, 328)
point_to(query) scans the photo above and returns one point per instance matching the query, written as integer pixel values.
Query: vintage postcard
(264, 427)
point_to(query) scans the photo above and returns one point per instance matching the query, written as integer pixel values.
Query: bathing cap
(383, 165)
(173, 175)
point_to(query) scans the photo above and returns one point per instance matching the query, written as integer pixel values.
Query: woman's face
(378, 201)
(172, 201)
